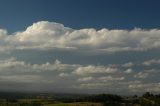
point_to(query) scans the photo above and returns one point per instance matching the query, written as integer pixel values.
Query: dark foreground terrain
(53, 99)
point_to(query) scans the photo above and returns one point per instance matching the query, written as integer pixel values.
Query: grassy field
(75, 104)
(44, 102)
(147, 99)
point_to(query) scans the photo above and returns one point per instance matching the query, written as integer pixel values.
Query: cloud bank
(49, 56)
(50, 35)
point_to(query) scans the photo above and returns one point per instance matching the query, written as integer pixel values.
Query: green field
(40, 102)
(15, 99)
(76, 104)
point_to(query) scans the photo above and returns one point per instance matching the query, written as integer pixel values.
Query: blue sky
(123, 14)
(88, 46)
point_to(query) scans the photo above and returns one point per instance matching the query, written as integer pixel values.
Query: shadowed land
(55, 99)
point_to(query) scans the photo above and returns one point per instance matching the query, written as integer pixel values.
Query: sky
(80, 46)
(77, 14)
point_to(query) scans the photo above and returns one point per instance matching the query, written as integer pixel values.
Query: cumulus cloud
(14, 67)
(151, 62)
(75, 75)
(151, 87)
(46, 35)
(128, 65)
(141, 75)
(110, 78)
(128, 71)
(101, 59)
(63, 75)
(93, 70)
(84, 79)
(147, 73)
(93, 85)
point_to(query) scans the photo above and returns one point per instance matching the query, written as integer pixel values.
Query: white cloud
(141, 75)
(151, 62)
(149, 87)
(128, 65)
(20, 71)
(110, 78)
(63, 75)
(12, 63)
(93, 85)
(12, 67)
(84, 79)
(46, 35)
(43, 37)
(80, 76)
(90, 69)
(128, 71)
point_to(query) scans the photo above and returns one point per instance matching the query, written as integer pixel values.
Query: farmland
(49, 99)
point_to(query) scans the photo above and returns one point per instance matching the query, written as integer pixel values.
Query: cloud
(46, 35)
(63, 75)
(84, 79)
(141, 75)
(92, 85)
(128, 65)
(110, 78)
(128, 71)
(151, 62)
(147, 73)
(76, 76)
(12, 67)
(151, 87)
(21, 78)
(93, 70)
(106, 60)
